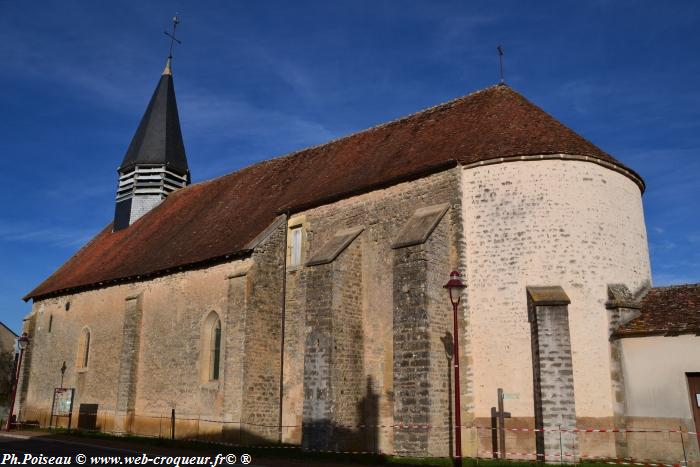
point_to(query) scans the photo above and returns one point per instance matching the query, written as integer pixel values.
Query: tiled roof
(158, 139)
(214, 219)
(669, 310)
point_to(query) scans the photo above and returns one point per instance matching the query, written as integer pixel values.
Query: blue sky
(259, 79)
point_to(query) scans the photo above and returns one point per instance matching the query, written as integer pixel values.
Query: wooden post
(494, 433)
(501, 425)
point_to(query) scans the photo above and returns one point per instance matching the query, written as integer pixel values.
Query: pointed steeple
(158, 139)
(168, 70)
(155, 163)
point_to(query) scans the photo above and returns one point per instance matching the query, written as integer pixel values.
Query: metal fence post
(685, 456)
(561, 448)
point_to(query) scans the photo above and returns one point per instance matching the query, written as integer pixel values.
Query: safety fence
(647, 446)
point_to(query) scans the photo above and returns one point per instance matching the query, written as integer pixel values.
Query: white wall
(551, 222)
(655, 381)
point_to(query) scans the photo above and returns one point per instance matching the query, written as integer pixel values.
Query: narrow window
(215, 347)
(50, 322)
(84, 349)
(295, 254)
(86, 352)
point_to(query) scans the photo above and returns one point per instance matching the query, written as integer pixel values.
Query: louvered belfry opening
(155, 163)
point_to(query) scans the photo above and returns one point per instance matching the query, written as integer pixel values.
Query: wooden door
(87, 417)
(694, 387)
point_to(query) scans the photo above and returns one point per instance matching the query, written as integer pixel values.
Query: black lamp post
(22, 342)
(63, 372)
(455, 287)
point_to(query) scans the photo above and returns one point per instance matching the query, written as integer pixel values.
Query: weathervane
(500, 61)
(172, 37)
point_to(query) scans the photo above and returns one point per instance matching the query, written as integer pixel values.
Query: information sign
(62, 402)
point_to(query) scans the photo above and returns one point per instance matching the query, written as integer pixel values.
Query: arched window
(215, 351)
(211, 348)
(84, 349)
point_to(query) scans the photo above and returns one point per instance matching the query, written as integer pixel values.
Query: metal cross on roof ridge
(172, 37)
(500, 61)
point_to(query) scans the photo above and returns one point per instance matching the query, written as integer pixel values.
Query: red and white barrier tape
(609, 460)
(528, 455)
(410, 426)
(586, 430)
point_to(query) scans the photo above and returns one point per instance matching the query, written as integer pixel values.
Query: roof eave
(656, 333)
(140, 277)
(626, 171)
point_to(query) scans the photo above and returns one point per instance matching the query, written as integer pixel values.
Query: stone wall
(551, 215)
(506, 226)
(553, 382)
(7, 340)
(569, 223)
(383, 214)
(146, 354)
(422, 330)
(127, 382)
(262, 340)
(294, 344)
(622, 307)
(334, 383)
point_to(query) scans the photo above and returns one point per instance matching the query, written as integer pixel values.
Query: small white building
(660, 353)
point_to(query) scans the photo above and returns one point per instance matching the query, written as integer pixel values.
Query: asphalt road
(38, 447)
(40, 450)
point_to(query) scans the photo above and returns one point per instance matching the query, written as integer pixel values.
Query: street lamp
(63, 372)
(22, 343)
(455, 286)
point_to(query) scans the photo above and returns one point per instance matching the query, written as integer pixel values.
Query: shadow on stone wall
(326, 435)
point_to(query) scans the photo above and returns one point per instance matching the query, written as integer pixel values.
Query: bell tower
(155, 164)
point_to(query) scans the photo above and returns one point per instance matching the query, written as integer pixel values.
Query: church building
(300, 300)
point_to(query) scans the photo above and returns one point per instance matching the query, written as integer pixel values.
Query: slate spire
(155, 164)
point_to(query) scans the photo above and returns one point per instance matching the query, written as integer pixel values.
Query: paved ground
(28, 447)
(38, 447)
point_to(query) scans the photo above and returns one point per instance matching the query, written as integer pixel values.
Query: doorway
(694, 388)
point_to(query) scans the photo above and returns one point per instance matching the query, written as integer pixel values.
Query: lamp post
(455, 286)
(63, 372)
(22, 342)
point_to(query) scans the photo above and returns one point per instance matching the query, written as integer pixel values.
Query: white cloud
(25, 232)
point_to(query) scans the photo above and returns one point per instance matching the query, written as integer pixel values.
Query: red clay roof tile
(669, 310)
(211, 220)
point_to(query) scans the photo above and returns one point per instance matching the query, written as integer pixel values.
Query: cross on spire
(500, 62)
(172, 37)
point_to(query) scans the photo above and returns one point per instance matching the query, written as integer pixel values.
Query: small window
(215, 351)
(84, 349)
(295, 253)
(210, 348)
(50, 322)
